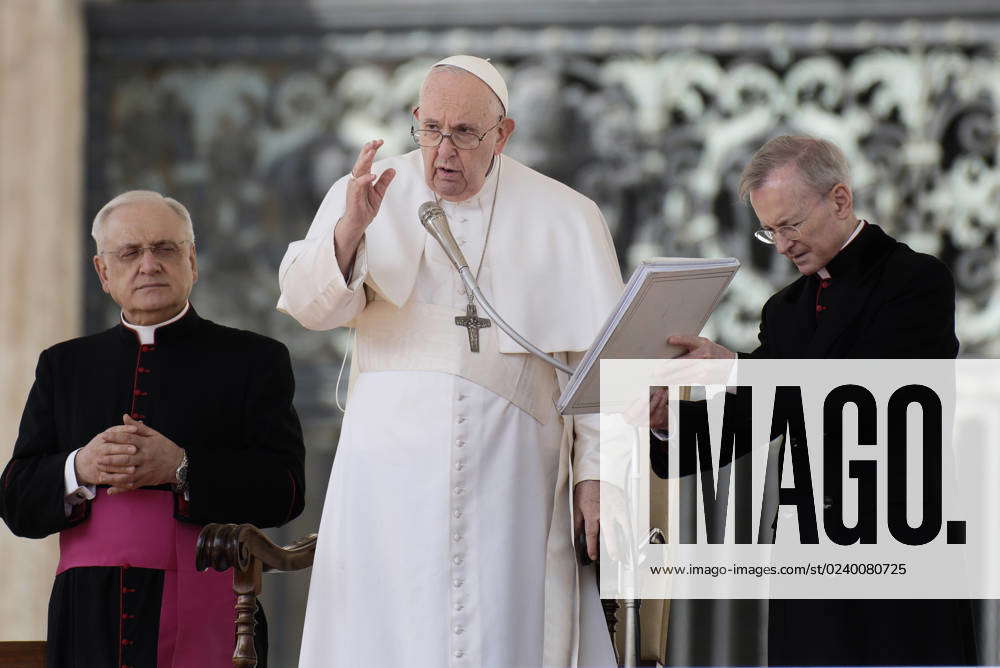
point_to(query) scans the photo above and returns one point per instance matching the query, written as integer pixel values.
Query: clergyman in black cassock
(882, 300)
(862, 295)
(126, 592)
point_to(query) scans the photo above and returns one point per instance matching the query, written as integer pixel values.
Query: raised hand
(365, 192)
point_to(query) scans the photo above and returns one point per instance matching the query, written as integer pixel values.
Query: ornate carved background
(248, 117)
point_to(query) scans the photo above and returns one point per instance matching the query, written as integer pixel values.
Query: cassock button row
(458, 630)
(460, 443)
(459, 490)
(457, 560)
(459, 466)
(461, 419)
(459, 607)
(457, 582)
(457, 514)
(456, 537)
(459, 654)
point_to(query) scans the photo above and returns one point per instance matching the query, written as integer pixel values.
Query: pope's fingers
(361, 183)
(384, 180)
(366, 157)
(593, 534)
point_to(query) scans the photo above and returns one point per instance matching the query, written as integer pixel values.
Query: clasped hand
(128, 456)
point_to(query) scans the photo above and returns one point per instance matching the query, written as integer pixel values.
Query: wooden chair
(21, 654)
(245, 549)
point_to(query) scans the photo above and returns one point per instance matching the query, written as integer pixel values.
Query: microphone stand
(473, 287)
(436, 223)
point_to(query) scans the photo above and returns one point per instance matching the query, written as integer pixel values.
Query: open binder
(665, 296)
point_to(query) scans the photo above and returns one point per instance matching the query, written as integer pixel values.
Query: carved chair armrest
(222, 546)
(245, 549)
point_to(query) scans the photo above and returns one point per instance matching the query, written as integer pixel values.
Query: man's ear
(504, 130)
(102, 273)
(193, 257)
(843, 201)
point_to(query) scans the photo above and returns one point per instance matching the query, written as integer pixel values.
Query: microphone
(436, 223)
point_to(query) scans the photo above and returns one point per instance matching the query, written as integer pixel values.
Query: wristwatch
(182, 476)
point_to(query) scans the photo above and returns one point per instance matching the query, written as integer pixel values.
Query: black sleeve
(688, 411)
(762, 351)
(259, 477)
(32, 490)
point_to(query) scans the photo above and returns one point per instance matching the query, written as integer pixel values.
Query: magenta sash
(138, 529)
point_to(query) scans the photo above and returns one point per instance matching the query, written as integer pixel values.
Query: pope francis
(447, 534)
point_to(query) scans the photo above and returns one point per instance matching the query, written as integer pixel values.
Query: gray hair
(132, 197)
(820, 163)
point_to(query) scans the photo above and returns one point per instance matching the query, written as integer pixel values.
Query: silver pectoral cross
(472, 322)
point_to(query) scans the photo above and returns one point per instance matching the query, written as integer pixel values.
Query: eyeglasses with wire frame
(164, 251)
(787, 232)
(465, 140)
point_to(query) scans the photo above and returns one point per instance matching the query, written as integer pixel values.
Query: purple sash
(138, 529)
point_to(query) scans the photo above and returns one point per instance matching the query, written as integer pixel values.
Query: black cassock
(882, 301)
(222, 394)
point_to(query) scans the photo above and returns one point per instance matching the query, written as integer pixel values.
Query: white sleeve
(75, 493)
(313, 290)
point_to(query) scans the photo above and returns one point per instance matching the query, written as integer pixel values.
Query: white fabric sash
(424, 337)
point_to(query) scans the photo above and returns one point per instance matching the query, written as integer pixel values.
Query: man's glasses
(463, 139)
(787, 232)
(165, 251)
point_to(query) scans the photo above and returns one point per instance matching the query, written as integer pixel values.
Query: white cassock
(446, 537)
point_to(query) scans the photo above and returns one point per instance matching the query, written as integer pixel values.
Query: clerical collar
(823, 271)
(147, 333)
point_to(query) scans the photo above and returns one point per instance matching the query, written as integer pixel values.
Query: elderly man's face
(151, 286)
(824, 220)
(452, 102)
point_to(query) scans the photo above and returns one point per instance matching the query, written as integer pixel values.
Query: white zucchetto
(482, 69)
